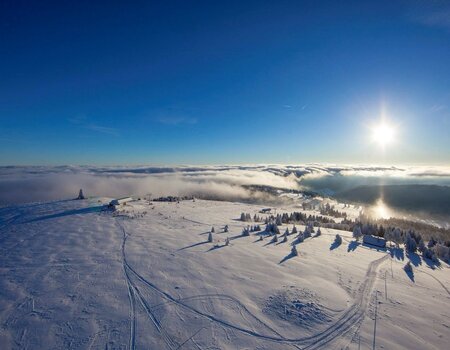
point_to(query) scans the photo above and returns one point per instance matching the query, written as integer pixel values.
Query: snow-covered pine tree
(276, 230)
(80, 194)
(210, 237)
(306, 232)
(225, 229)
(357, 234)
(294, 230)
(278, 220)
(212, 229)
(397, 236)
(410, 243)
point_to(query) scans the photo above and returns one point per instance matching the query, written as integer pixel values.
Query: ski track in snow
(437, 280)
(353, 316)
(134, 291)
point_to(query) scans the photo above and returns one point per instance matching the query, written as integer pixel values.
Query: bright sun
(383, 134)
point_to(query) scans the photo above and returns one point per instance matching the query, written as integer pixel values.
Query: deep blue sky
(223, 82)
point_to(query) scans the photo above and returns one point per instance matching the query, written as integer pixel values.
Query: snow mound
(298, 306)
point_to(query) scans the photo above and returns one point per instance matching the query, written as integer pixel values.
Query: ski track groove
(135, 292)
(132, 340)
(437, 280)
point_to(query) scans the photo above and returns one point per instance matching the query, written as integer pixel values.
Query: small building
(375, 241)
(120, 201)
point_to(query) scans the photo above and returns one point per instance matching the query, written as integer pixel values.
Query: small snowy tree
(338, 239)
(318, 233)
(225, 229)
(357, 234)
(242, 216)
(80, 194)
(210, 237)
(294, 230)
(442, 252)
(278, 221)
(227, 241)
(388, 235)
(275, 239)
(410, 243)
(286, 232)
(431, 243)
(397, 237)
(212, 229)
(245, 232)
(306, 233)
(285, 239)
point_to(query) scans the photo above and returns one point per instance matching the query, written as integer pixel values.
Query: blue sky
(211, 82)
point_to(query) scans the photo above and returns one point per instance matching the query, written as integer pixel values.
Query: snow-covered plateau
(75, 275)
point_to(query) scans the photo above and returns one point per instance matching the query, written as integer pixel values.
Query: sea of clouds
(229, 182)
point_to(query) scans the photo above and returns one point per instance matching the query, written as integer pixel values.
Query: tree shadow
(270, 242)
(216, 246)
(431, 264)
(414, 258)
(334, 245)
(374, 247)
(287, 257)
(237, 236)
(69, 212)
(282, 241)
(352, 246)
(410, 274)
(193, 245)
(398, 253)
(262, 233)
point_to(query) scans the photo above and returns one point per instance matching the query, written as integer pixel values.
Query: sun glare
(383, 134)
(380, 210)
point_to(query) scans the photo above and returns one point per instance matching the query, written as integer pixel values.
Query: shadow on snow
(68, 213)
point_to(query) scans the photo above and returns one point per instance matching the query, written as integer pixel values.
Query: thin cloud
(432, 14)
(102, 129)
(84, 123)
(437, 108)
(175, 121)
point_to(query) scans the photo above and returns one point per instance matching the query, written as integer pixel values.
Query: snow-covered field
(75, 276)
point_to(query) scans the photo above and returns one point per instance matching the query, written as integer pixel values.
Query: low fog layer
(32, 184)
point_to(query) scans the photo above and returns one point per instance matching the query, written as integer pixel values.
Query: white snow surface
(75, 276)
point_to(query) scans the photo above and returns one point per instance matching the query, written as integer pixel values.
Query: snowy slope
(76, 276)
